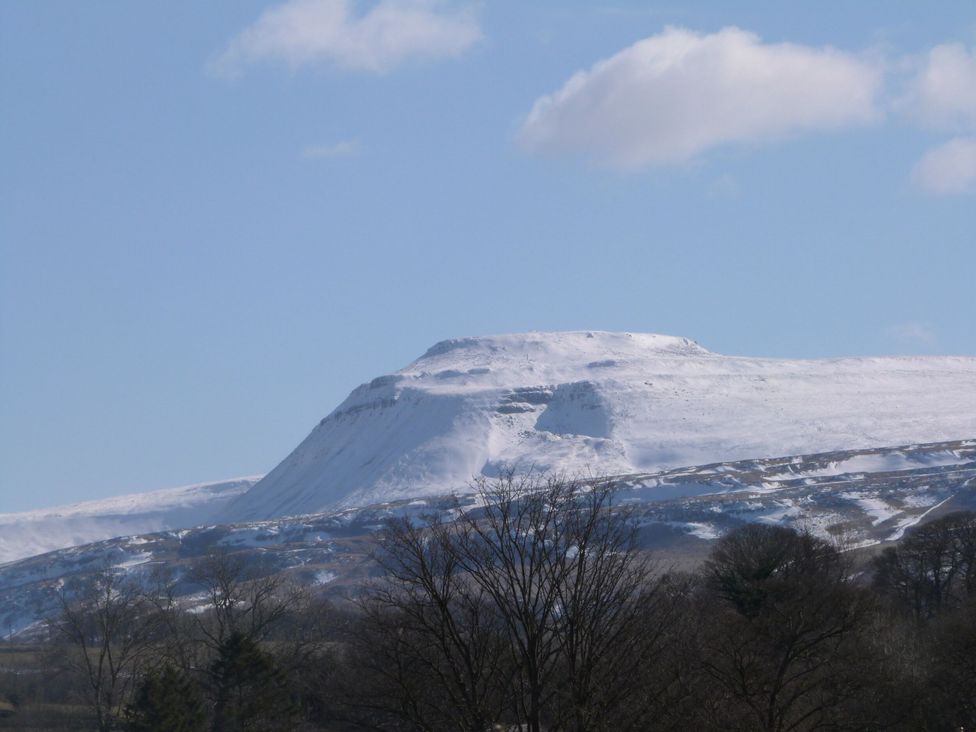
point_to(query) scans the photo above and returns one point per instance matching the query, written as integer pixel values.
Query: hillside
(27, 533)
(601, 403)
(854, 499)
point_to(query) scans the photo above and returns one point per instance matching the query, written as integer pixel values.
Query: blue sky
(216, 221)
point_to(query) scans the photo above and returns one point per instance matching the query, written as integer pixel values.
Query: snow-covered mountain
(28, 533)
(603, 403)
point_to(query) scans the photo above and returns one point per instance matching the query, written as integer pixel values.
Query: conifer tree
(166, 701)
(248, 689)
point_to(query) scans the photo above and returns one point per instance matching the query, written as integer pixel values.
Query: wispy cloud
(913, 333)
(941, 95)
(948, 169)
(675, 95)
(301, 33)
(342, 149)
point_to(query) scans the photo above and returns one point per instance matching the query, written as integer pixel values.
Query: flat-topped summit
(604, 403)
(577, 345)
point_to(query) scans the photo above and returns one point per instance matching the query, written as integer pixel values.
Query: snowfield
(29, 533)
(601, 403)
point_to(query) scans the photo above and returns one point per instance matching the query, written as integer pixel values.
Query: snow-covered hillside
(855, 498)
(35, 532)
(604, 403)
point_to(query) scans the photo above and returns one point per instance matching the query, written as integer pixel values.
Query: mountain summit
(603, 403)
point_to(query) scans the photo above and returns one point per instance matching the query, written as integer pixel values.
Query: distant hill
(28, 533)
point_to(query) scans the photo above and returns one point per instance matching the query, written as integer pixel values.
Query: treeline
(539, 612)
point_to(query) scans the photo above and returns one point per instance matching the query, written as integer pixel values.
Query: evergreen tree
(166, 701)
(249, 690)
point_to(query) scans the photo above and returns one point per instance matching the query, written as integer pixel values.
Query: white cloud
(912, 333)
(674, 95)
(942, 91)
(305, 32)
(949, 168)
(336, 150)
(941, 95)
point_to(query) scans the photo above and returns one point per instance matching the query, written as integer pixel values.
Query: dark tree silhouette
(248, 689)
(532, 610)
(167, 701)
(933, 568)
(780, 638)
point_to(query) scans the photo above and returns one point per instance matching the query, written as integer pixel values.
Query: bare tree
(239, 602)
(525, 610)
(933, 568)
(432, 622)
(951, 682)
(106, 631)
(781, 640)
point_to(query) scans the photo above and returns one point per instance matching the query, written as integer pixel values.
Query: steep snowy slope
(607, 403)
(35, 532)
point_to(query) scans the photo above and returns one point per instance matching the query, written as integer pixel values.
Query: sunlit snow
(606, 403)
